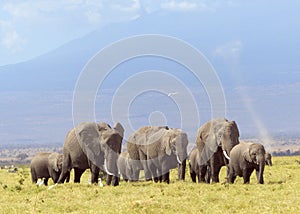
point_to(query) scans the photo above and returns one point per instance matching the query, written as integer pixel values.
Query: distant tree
(22, 156)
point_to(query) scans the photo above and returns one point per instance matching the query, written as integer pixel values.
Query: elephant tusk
(108, 172)
(178, 159)
(225, 154)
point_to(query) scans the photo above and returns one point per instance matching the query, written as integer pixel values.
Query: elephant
(244, 158)
(194, 166)
(268, 158)
(94, 146)
(127, 166)
(46, 165)
(158, 149)
(215, 139)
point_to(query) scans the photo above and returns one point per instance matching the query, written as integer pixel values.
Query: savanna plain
(279, 194)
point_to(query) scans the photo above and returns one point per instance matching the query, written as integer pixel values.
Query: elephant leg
(112, 180)
(65, 172)
(208, 175)
(125, 179)
(77, 174)
(193, 176)
(109, 179)
(215, 168)
(202, 173)
(46, 181)
(154, 171)
(166, 177)
(54, 177)
(231, 177)
(160, 177)
(155, 174)
(135, 175)
(95, 173)
(144, 161)
(33, 176)
(215, 174)
(115, 181)
(246, 175)
(260, 178)
(68, 177)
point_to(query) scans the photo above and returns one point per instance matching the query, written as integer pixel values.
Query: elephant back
(140, 138)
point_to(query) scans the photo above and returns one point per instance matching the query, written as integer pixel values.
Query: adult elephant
(158, 149)
(268, 158)
(215, 139)
(91, 145)
(244, 158)
(46, 165)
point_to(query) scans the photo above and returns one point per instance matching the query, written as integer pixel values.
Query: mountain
(254, 55)
(261, 54)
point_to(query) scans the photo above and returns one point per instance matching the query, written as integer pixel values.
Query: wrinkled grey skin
(158, 149)
(244, 158)
(215, 139)
(195, 168)
(268, 158)
(128, 166)
(92, 146)
(46, 165)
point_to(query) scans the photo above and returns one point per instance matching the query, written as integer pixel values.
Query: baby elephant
(268, 158)
(127, 167)
(46, 165)
(194, 159)
(244, 158)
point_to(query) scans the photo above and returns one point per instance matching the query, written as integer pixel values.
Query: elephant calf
(194, 157)
(268, 158)
(46, 165)
(244, 158)
(128, 168)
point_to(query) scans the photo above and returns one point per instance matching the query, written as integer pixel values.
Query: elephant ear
(210, 147)
(168, 141)
(235, 129)
(88, 136)
(119, 128)
(53, 161)
(103, 126)
(246, 154)
(60, 159)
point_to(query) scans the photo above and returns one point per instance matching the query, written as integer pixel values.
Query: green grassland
(279, 194)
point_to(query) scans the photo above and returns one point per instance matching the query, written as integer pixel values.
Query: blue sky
(29, 28)
(253, 45)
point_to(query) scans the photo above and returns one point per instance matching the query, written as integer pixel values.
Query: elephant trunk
(260, 175)
(110, 165)
(181, 170)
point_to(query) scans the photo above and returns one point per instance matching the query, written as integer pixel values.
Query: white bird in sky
(172, 94)
(100, 182)
(40, 182)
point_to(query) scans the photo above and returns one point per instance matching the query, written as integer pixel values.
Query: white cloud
(12, 41)
(94, 17)
(126, 6)
(179, 6)
(230, 50)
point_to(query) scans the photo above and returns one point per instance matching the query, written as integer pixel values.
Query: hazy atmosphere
(253, 47)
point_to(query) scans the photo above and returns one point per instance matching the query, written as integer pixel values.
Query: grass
(279, 194)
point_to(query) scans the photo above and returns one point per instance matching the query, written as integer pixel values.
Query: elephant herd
(155, 150)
